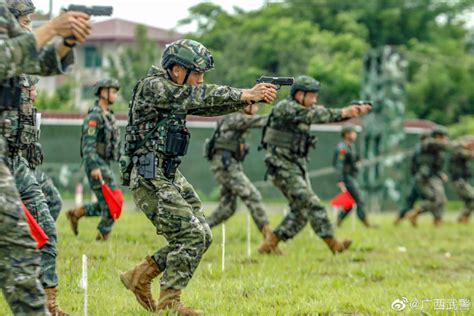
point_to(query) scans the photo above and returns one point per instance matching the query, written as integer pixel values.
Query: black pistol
(277, 81)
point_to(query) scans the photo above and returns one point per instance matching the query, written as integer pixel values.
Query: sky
(158, 13)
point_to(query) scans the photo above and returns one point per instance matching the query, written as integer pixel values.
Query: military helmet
(305, 84)
(28, 81)
(21, 7)
(106, 83)
(190, 54)
(347, 128)
(439, 130)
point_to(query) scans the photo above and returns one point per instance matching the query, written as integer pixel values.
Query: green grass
(437, 264)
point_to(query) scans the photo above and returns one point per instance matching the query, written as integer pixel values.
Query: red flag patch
(342, 151)
(92, 123)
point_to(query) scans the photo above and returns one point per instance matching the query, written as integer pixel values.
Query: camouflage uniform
(227, 155)
(346, 161)
(460, 175)
(50, 191)
(159, 108)
(288, 140)
(19, 259)
(99, 147)
(428, 178)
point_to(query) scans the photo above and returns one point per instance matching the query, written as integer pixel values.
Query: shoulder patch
(92, 123)
(342, 151)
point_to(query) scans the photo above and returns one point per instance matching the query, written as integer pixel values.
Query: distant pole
(223, 247)
(249, 248)
(84, 284)
(50, 14)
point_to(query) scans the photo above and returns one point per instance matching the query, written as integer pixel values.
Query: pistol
(278, 81)
(360, 102)
(95, 10)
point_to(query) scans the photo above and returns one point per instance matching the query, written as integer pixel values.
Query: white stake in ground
(249, 247)
(223, 247)
(84, 282)
(354, 214)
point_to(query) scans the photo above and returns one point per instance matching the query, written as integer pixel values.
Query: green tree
(134, 61)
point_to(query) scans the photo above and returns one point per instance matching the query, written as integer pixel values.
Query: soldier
(100, 145)
(287, 140)
(226, 151)
(156, 138)
(19, 261)
(347, 164)
(461, 174)
(413, 194)
(429, 178)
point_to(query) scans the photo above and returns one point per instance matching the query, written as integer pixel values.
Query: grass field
(384, 264)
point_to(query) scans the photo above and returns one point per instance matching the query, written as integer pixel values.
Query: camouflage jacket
(459, 163)
(160, 106)
(231, 132)
(100, 141)
(432, 157)
(290, 117)
(346, 160)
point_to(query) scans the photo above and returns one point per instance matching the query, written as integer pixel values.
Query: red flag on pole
(343, 200)
(114, 200)
(36, 231)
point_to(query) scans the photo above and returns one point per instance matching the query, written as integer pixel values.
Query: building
(107, 39)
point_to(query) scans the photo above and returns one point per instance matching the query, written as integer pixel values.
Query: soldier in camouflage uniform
(226, 151)
(100, 145)
(19, 261)
(413, 194)
(346, 161)
(430, 177)
(460, 173)
(156, 137)
(287, 140)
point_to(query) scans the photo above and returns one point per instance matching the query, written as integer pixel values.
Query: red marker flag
(114, 200)
(36, 231)
(343, 200)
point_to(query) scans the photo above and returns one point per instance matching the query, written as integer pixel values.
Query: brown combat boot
(73, 216)
(138, 280)
(170, 300)
(51, 303)
(266, 231)
(102, 237)
(412, 217)
(438, 222)
(463, 219)
(270, 244)
(336, 246)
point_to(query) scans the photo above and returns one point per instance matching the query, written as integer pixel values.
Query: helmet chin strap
(188, 72)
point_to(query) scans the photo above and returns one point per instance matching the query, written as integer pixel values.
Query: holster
(10, 94)
(146, 165)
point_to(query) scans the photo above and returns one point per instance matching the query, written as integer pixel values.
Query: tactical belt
(232, 146)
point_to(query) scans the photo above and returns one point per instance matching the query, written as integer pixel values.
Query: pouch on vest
(10, 94)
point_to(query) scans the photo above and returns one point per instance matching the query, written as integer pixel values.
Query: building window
(87, 93)
(93, 59)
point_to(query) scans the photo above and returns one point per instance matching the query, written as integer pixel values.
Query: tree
(134, 62)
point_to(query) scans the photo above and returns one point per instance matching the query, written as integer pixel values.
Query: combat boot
(170, 300)
(266, 231)
(438, 222)
(412, 217)
(51, 303)
(138, 280)
(336, 246)
(73, 216)
(270, 244)
(102, 237)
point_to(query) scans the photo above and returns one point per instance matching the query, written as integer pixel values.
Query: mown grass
(383, 264)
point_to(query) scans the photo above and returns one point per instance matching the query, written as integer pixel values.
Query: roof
(119, 30)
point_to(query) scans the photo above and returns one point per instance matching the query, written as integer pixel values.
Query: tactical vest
(459, 167)
(235, 147)
(350, 163)
(431, 162)
(108, 138)
(155, 139)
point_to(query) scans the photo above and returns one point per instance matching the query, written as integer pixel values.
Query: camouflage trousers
(304, 204)
(35, 201)
(410, 200)
(431, 190)
(53, 197)
(100, 208)
(19, 259)
(175, 210)
(353, 188)
(235, 184)
(466, 192)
